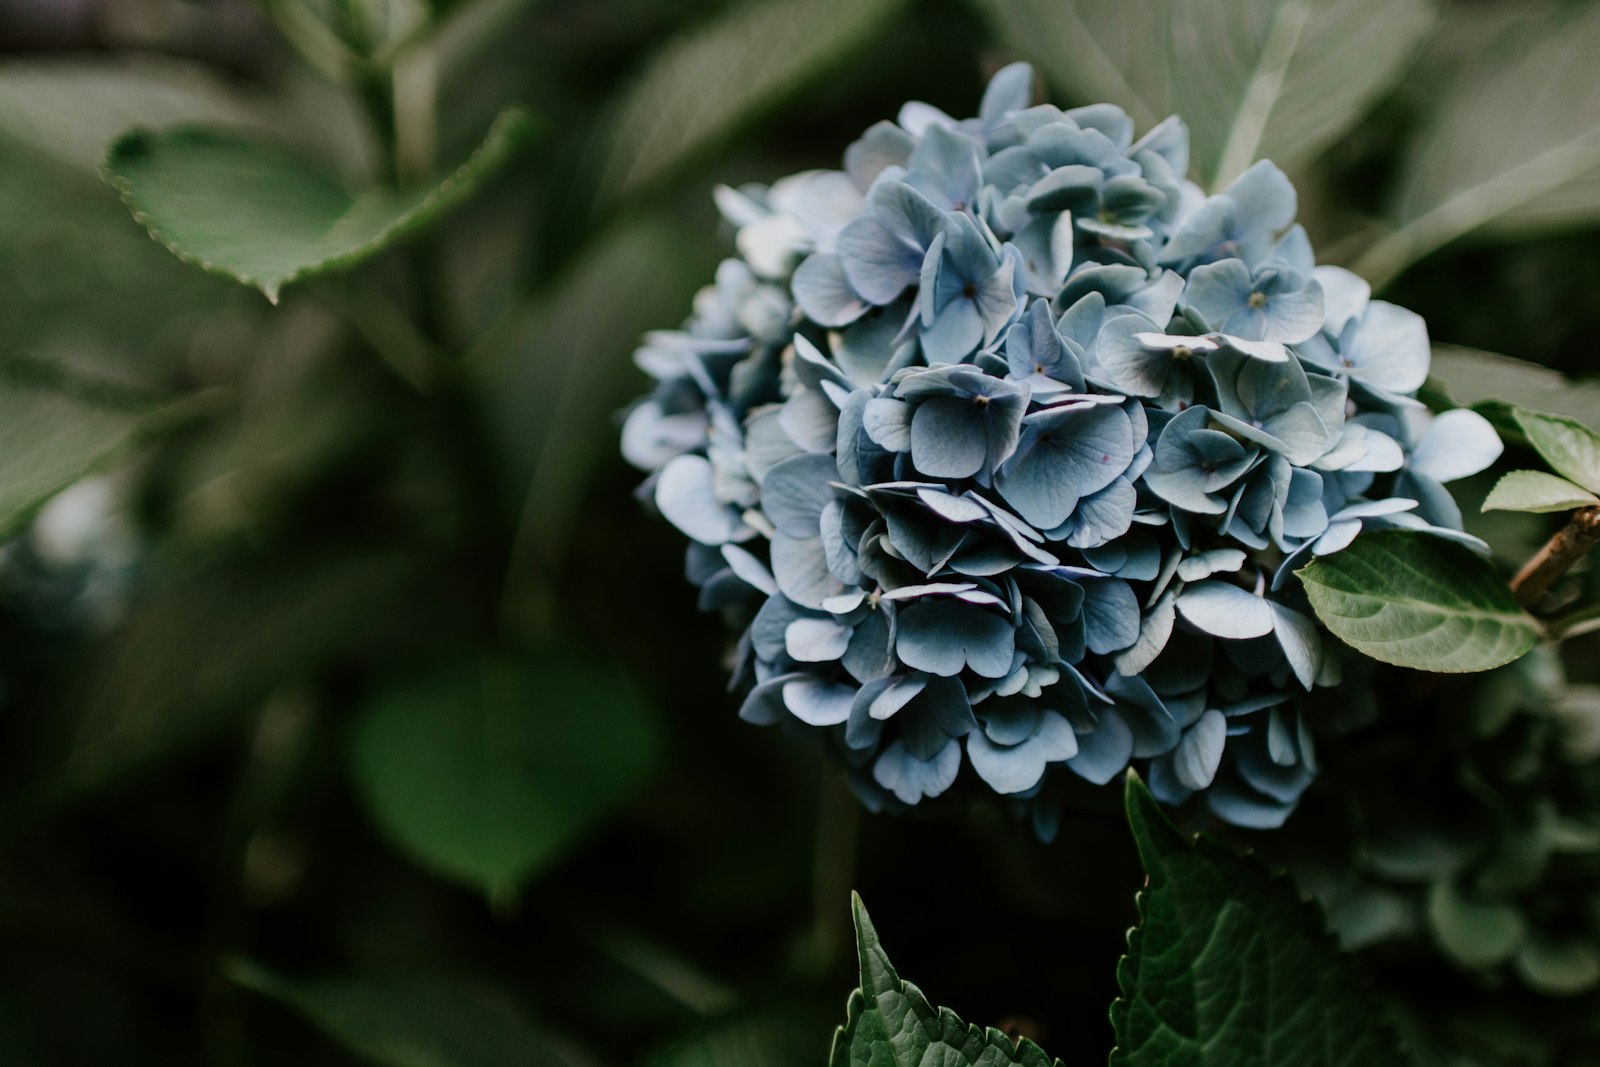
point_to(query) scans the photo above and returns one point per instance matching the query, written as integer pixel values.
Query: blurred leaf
(1512, 149)
(1537, 492)
(1229, 967)
(54, 431)
(1476, 934)
(552, 378)
(413, 1020)
(1558, 967)
(706, 84)
(71, 108)
(485, 772)
(1419, 601)
(1254, 79)
(212, 639)
(890, 1023)
(1493, 384)
(768, 1039)
(1570, 447)
(264, 217)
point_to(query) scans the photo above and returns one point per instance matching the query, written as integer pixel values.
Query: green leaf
(265, 217)
(708, 83)
(1419, 601)
(1536, 491)
(1570, 447)
(1228, 968)
(1493, 384)
(1558, 967)
(1476, 934)
(761, 1039)
(203, 641)
(55, 430)
(485, 772)
(412, 1019)
(1512, 149)
(889, 1023)
(70, 109)
(1296, 74)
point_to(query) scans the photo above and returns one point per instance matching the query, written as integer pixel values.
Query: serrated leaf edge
(511, 129)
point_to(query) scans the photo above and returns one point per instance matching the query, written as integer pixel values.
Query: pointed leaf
(262, 216)
(1419, 601)
(1228, 968)
(1537, 491)
(889, 1023)
(1570, 447)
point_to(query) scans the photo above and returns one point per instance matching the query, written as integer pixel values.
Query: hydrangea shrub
(1001, 445)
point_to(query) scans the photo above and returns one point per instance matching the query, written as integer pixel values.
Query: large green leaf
(1493, 384)
(1512, 149)
(1227, 968)
(1570, 447)
(1537, 491)
(54, 431)
(706, 84)
(486, 771)
(413, 1019)
(266, 217)
(1419, 601)
(1273, 79)
(71, 108)
(889, 1023)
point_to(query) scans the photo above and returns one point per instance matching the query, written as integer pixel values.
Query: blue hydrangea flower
(999, 447)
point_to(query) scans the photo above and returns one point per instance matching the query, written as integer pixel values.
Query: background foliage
(352, 713)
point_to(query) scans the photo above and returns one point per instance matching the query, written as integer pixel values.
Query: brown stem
(1570, 544)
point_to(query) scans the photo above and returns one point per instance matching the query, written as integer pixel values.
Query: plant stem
(1570, 544)
(833, 871)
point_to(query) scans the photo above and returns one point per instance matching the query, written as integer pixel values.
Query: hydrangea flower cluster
(1001, 445)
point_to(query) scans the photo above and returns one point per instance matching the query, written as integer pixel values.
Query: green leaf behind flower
(1254, 79)
(265, 217)
(485, 772)
(1228, 969)
(706, 84)
(1419, 601)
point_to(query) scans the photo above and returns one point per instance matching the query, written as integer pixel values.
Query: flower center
(1258, 300)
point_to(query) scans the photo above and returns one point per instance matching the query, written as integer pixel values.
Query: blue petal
(818, 703)
(794, 492)
(911, 779)
(1224, 610)
(1104, 750)
(1198, 755)
(944, 637)
(686, 496)
(824, 293)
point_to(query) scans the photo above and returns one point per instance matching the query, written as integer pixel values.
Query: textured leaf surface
(412, 1020)
(1254, 79)
(265, 217)
(486, 772)
(706, 84)
(891, 1024)
(1513, 148)
(1228, 969)
(1538, 492)
(1419, 601)
(1570, 447)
